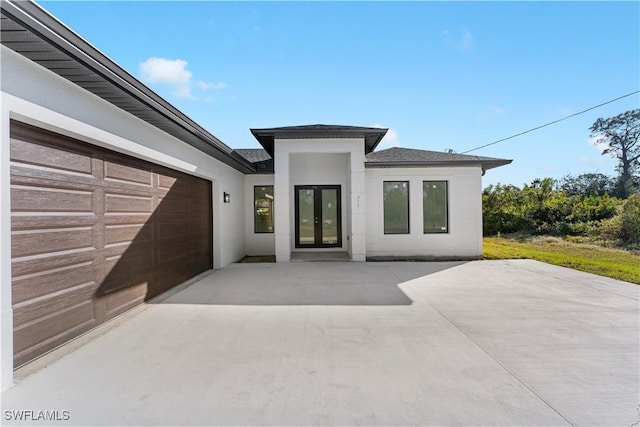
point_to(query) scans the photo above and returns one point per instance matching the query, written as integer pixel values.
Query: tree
(621, 134)
(587, 184)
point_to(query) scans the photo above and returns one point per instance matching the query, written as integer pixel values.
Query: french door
(318, 221)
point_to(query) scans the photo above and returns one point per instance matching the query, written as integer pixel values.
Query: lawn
(614, 263)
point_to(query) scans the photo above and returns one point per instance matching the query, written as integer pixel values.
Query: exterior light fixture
(227, 198)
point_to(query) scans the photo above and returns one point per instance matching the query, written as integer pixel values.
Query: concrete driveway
(477, 343)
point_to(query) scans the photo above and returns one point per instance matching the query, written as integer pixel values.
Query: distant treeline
(584, 205)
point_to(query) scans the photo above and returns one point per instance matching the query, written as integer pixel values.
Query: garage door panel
(171, 206)
(95, 233)
(47, 180)
(198, 205)
(44, 175)
(50, 263)
(22, 221)
(180, 187)
(38, 337)
(198, 190)
(125, 218)
(200, 243)
(25, 356)
(34, 242)
(48, 199)
(62, 322)
(171, 250)
(172, 229)
(59, 157)
(121, 233)
(166, 277)
(165, 182)
(126, 272)
(123, 299)
(50, 282)
(124, 203)
(197, 228)
(128, 259)
(55, 302)
(118, 282)
(119, 172)
(177, 183)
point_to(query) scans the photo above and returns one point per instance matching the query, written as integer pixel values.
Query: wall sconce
(226, 197)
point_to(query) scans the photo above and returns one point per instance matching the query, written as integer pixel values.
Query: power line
(550, 123)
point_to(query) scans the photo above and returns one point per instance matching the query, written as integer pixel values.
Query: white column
(358, 207)
(6, 311)
(282, 220)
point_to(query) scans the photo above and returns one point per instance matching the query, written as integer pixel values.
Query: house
(333, 191)
(111, 196)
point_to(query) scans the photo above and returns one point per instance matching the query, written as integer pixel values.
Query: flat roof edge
(485, 164)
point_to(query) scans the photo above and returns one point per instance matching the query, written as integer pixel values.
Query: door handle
(316, 220)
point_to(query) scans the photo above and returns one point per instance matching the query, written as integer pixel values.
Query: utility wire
(550, 123)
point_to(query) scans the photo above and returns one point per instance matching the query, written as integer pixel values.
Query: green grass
(615, 263)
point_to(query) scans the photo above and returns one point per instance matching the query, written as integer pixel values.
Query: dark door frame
(317, 197)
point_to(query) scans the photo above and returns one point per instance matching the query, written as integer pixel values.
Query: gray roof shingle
(261, 160)
(399, 157)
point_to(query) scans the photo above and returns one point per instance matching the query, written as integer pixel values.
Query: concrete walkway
(478, 343)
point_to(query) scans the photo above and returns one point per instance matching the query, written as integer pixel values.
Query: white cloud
(173, 73)
(598, 142)
(389, 140)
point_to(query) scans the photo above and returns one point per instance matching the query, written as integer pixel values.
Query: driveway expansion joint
(524, 384)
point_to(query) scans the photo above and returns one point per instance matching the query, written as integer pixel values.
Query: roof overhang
(486, 164)
(372, 136)
(35, 34)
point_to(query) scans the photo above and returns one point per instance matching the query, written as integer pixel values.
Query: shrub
(539, 209)
(630, 220)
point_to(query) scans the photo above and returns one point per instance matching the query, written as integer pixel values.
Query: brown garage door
(95, 233)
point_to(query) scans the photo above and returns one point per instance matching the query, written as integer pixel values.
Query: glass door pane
(306, 216)
(329, 216)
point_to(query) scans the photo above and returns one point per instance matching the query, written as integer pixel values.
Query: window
(263, 205)
(435, 206)
(396, 207)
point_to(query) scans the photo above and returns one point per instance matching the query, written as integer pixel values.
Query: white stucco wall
(34, 95)
(464, 238)
(256, 243)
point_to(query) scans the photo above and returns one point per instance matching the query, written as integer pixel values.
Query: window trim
(255, 211)
(384, 230)
(448, 225)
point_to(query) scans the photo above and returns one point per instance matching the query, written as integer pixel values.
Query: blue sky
(440, 75)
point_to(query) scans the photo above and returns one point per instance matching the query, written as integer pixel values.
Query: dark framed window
(396, 207)
(435, 206)
(263, 208)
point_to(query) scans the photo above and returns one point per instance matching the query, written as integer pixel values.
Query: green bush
(611, 229)
(540, 209)
(630, 220)
(624, 228)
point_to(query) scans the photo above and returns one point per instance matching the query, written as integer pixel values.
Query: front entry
(318, 220)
